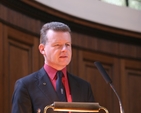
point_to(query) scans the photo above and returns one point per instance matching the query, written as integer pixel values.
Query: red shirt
(52, 72)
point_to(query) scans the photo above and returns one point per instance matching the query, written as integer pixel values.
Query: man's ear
(41, 49)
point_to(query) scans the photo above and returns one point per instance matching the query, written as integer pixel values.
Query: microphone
(103, 72)
(108, 80)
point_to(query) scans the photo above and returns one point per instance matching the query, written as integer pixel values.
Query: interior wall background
(118, 50)
(97, 11)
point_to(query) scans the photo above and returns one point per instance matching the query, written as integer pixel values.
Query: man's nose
(64, 47)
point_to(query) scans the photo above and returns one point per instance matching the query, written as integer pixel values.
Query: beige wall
(100, 12)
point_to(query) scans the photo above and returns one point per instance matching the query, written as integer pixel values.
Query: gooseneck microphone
(108, 80)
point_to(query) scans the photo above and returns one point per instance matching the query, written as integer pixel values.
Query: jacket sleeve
(21, 102)
(90, 94)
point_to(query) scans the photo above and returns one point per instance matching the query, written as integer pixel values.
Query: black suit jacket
(35, 91)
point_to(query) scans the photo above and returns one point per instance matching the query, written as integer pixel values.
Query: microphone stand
(120, 104)
(108, 80)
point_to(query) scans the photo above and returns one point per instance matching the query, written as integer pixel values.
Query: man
(39, 89)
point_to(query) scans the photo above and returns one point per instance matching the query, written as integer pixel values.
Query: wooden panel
(21, 57)
(129, 50)
(19, 63)
(131, 77)
(94, 43)
(107, 46)
(134, 84)
(102, 91)
(20, 20)
(73, 66)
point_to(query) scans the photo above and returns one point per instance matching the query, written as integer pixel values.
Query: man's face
(57, 50)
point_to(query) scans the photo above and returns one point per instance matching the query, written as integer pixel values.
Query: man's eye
(57, 45)
(67, 44)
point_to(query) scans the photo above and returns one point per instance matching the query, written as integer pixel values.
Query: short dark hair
(55, 26)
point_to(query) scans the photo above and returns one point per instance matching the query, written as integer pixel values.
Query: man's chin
(64, 64)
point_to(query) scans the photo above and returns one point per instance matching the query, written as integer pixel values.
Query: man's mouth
(63, 56)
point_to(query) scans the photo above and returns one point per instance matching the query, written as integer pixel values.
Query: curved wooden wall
(119, 51)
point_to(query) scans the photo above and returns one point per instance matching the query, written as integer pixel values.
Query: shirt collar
(52, 72)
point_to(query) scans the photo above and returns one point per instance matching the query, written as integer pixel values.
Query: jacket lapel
(46, 86)
(74, 88)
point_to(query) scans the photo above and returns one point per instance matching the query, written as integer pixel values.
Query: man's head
(55, 26)
(55, 44)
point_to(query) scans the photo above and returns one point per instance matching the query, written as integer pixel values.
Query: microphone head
(103, 72)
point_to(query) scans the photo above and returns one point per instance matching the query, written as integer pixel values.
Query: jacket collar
(46, 86)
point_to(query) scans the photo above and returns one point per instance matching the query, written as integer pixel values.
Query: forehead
(58, 35)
